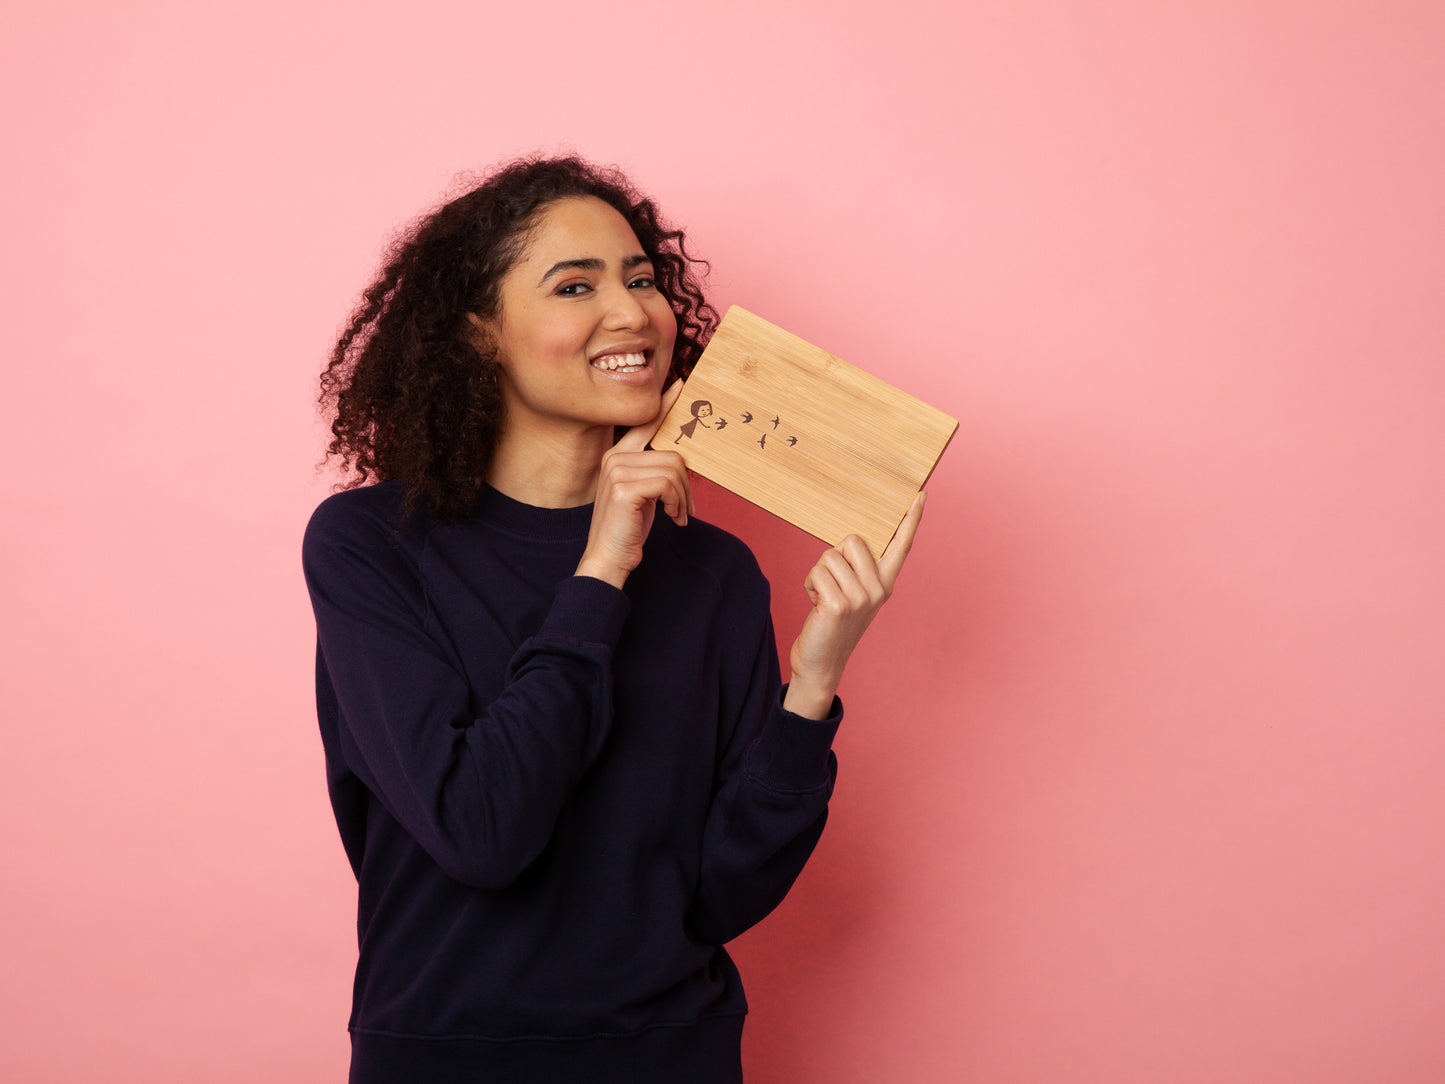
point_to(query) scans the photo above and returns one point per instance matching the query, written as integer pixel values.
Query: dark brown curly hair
(412, 389)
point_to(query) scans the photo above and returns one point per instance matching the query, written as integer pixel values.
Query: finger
(853, 590)
(635, 466)
(636, 438)
(635, 486)
(865, 569)
(891, 563)
(628, 464)
(823, 590)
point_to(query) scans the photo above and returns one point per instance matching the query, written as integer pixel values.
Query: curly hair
(412, 389)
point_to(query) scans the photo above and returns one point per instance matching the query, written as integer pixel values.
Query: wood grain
(802, 433)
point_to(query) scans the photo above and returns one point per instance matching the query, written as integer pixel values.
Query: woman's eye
(642, 282)
(573, 289)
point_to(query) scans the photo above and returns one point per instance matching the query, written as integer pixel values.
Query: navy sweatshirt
(560, 799)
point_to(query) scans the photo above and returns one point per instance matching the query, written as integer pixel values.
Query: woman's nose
(624, 312)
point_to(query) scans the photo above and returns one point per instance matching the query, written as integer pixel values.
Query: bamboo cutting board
(805, 435)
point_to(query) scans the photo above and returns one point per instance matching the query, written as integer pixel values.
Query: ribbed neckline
(547, 524)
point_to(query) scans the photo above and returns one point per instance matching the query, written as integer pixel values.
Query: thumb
(636, 438)
(891, 563)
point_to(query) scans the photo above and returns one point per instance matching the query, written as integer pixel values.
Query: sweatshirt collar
(550, 524)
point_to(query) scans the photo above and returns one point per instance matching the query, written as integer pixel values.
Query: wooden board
(805, 435)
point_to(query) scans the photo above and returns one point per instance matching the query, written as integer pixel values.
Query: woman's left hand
(847, 588)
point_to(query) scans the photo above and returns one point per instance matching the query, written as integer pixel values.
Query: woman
(561, 760)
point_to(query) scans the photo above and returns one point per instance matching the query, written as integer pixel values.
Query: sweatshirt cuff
(794, 753)
(586, 609)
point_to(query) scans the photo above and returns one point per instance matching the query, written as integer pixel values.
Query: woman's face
(583, 335)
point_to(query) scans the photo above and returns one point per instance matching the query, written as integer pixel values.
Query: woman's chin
(637, 405)
(627, 419)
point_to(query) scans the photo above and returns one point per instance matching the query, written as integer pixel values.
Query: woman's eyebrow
(591, 263)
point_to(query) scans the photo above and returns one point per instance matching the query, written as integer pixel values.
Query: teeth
(627, 363)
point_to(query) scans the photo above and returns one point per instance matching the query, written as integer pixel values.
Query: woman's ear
(484, 342)
(483, 334)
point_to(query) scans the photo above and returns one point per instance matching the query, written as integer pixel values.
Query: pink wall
(1141, 776)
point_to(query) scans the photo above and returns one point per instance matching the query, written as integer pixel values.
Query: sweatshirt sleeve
(767, 815)
(481, 794)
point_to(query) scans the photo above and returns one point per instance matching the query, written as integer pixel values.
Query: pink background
(1141, 776)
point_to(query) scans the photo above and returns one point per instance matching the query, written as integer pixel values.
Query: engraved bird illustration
(747, 417)
(791, 440)
(763, 442)
(722, 423)
(775, 421)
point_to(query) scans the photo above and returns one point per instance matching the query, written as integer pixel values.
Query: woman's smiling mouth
(620, 363)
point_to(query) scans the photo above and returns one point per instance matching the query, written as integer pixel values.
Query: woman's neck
(552, 468)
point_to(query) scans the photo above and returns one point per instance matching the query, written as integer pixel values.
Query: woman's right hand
(631, 482)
